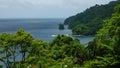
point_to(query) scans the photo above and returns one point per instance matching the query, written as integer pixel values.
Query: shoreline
(77, 35)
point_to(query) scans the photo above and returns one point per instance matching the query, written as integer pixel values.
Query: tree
(12, 45)
(5, 44)
(24, 41)
(61, 27)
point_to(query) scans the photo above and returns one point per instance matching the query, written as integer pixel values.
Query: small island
(61, 26)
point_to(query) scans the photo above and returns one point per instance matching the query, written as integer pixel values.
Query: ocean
(43, 29)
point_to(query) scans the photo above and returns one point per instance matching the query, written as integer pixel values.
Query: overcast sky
(44, 8)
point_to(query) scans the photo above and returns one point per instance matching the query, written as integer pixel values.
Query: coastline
(76, 35)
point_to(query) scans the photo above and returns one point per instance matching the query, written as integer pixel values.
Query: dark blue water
(43, 29)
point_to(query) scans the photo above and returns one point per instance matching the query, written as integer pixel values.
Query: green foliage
(61, 26)
(105, 48)
(80, 29)
(90, 21)
(62, 52)
(12, 45)
(102, 62)
(96, 48)
(111, 30)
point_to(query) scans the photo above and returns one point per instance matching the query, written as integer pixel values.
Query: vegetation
(61, 27)
(64, 51)
(12, 45)
(90, 21)
(105, 48)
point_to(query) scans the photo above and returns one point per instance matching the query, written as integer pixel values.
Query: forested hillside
(90, 21)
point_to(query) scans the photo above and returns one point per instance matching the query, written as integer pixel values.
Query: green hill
(90, 21)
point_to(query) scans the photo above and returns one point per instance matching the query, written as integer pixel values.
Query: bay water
(44, 29)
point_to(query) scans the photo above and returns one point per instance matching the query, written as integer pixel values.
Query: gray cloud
(25, 8)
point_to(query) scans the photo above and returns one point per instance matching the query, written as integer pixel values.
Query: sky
(45, 8)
